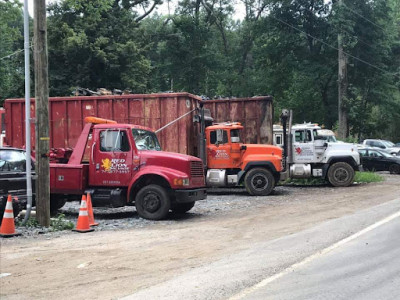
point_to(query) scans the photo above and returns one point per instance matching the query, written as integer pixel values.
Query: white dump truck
(310, 151)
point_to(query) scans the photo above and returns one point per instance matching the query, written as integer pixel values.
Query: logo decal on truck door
(219, 154)
(106, 164)
(114, 165)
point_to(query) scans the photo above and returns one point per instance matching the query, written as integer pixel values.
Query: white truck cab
(314, 152)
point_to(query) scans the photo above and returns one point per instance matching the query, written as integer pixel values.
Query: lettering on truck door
(303, 146)
(112, 158)
(219, 151)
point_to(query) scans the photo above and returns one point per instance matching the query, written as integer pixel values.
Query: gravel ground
(127, 254)
(220, 201)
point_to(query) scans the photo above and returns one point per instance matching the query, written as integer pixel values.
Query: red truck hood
(186, 165)
(177, 161)
(168, 156)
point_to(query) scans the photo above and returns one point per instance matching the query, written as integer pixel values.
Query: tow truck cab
(122, 164)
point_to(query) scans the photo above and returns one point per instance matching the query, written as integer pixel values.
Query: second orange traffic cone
(90, 211)
(83, 220)
(7, 228)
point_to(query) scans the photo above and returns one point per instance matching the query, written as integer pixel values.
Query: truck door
(218, 150)
(303, 146)
(111, 163)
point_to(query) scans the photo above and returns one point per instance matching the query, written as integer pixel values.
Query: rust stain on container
(255, 114)
(152, 110)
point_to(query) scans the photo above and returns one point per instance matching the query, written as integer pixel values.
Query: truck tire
(181, 208)
(394, 169)
(152, 202)
(259, 182)
(341, 174)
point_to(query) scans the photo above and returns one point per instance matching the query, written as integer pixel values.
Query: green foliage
(367, 177)
(95, 44)
(286, 49)
(31, 223)
(360, 177)
(11, 63)
(60, 223)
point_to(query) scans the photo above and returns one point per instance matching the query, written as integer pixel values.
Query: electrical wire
(361, 16)
(14, 53)
(341, 29)
(333, 47)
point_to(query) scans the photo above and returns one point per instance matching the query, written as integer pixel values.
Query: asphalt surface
(365, 268)
(235, 276)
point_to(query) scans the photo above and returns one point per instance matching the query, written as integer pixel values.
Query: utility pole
(42, 114)
(27, 114)
(342, 86)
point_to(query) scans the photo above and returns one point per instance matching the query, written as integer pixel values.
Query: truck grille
(196, 169)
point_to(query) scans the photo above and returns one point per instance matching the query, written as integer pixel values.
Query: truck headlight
(181, 181)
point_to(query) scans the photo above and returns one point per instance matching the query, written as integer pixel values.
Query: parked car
(387, 146)
(378, 160)
(397, 145)
(13, 179)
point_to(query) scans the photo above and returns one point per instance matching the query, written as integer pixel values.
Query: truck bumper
(184, 196)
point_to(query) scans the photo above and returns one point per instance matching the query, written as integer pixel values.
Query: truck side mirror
(243, 147)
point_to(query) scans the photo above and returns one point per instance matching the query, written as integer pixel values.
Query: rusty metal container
(255, 114)
(66, 115)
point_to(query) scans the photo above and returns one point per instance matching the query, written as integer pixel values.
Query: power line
(348, 32)
(348, 54)
(14, 53)
(366, 19)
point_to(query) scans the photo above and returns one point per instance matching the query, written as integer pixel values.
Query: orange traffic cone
(7, 228)
(83, 220)
(90, 211)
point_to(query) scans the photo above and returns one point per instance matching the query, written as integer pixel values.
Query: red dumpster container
(255, 114)
(66, 115)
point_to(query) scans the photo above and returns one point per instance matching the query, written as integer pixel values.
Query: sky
(163, 9)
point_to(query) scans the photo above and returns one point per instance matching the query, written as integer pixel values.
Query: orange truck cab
(232, 163)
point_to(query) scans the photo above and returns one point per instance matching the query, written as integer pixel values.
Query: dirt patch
(112, 263)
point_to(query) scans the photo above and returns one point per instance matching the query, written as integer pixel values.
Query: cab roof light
(95, 120)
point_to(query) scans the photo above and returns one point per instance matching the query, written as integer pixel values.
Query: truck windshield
(326, 135)
(145, 140)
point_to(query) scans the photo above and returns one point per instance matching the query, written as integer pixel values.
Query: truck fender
(160, 175)
(347, 158)
(253, 164)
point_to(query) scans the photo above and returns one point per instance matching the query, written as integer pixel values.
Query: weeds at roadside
(367, 177)
(58, 223)
(360, 177)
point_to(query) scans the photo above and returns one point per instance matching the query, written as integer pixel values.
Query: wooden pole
(42, 114)
(342, 88)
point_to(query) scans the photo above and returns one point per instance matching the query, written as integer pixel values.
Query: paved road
(236, 275)
(365, 268)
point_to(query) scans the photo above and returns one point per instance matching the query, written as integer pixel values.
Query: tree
(97, 44)
(11, 54)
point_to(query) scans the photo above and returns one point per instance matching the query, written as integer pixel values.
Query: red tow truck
(122, 164)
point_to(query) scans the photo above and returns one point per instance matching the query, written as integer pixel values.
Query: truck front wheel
(259, 182)
(341, 174)
(152, 202)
